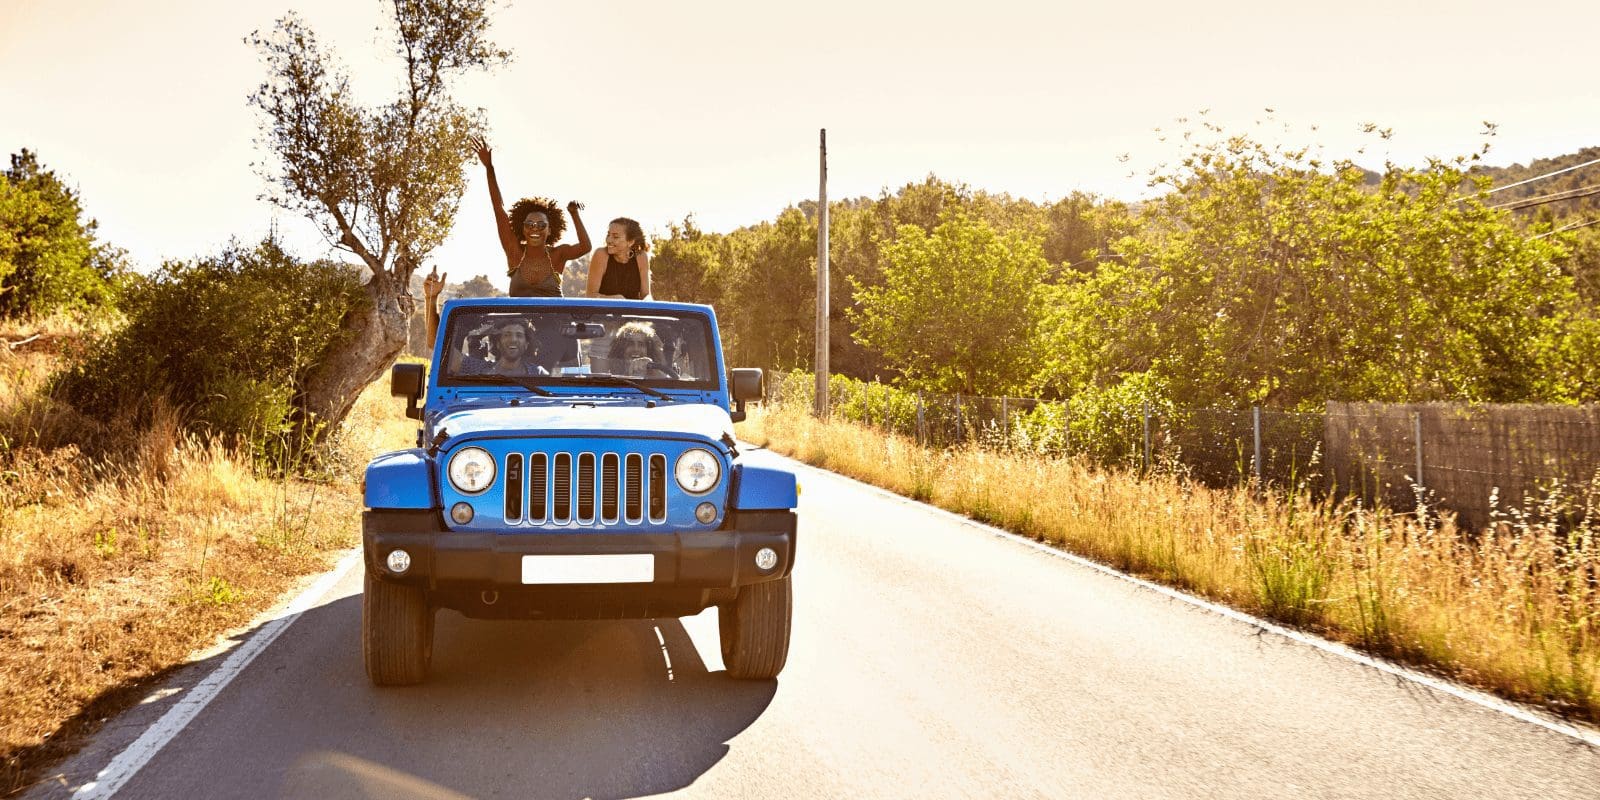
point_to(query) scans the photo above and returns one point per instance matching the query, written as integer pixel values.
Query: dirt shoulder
(113, 575)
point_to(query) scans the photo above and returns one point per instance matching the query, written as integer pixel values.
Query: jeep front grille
(514, 486)
(561, 498)
(608, 487)
(587, 488)
(633, 506)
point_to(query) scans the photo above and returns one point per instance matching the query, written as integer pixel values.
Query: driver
(511, 350)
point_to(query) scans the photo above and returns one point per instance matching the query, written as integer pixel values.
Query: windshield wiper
(607, 379)
(525, 382)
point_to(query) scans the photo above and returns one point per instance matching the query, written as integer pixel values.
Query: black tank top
(622, 277)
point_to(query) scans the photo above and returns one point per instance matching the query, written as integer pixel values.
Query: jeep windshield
(553, 346)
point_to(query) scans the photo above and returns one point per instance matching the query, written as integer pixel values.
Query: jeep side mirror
(747, 385)
(407, 380)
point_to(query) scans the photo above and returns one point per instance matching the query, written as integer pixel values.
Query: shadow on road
(511, 709)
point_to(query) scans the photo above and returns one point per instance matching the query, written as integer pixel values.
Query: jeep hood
(599, 419)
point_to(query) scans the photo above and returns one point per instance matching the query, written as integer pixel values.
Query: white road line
(136, 755)
(665, 656)
(1587, 736)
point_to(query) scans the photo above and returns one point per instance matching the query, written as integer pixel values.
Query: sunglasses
(535, 224)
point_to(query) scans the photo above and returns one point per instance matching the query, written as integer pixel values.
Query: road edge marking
(1470, 695)
(135, 756)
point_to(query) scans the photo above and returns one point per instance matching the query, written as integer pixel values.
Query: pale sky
(659, 110)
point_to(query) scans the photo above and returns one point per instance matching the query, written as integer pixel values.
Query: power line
(1556, 197)
(1542, 177)
(1574, 226)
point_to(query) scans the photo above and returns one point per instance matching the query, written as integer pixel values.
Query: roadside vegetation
(1511, 609)
(1258, 275)
(131, 540)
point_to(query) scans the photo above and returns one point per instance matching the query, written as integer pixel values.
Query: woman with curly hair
(622, 267)
(637, 352)
(527, 235)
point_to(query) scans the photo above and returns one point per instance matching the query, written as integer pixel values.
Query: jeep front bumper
(718, 559)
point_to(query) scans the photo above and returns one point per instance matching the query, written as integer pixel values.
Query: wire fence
(1481, 462)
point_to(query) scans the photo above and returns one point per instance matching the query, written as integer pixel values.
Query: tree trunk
(374, 335)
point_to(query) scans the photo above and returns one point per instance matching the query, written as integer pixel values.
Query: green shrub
(49, 259)
(228, 340)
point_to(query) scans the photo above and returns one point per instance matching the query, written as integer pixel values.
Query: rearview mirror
(584, 330)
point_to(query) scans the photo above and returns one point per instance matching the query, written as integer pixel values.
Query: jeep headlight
(471, 470)
(697, 471)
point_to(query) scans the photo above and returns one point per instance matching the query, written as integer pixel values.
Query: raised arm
(597, 271)
(583, 245)
(508, 238)
(432, 285)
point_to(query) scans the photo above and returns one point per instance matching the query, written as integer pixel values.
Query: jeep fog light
(766, 558)
(471, 470)
(461, 513)
(705, 512)
(697, 471)
(399, 561)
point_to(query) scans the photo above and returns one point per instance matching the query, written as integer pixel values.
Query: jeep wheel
(755, 630)
(396, 633)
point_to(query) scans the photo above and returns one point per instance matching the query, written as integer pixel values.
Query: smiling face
(535, 228)
(630, 349)
(512, 343)
(617, 241)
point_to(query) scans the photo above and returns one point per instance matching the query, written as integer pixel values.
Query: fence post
(958, 416)
(882, 419)
(1005, 422)
(1255, 411)
(1416, 420)
(919, 416)
(1146, 464)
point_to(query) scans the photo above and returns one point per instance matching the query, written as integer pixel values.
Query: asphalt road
(930, 658)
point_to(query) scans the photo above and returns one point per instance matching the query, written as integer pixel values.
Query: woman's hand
(432, 285)
(573, 207)
(481, 145)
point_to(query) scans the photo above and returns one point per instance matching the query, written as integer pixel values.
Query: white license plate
(624, 568)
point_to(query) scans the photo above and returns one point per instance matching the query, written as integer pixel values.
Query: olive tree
(381, 182)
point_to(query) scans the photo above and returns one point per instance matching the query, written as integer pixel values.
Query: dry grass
(1513, 611)
(112, 573)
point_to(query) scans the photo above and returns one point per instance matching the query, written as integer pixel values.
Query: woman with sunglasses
(526, 234)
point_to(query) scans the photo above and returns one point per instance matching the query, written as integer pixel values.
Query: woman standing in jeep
(527, 233)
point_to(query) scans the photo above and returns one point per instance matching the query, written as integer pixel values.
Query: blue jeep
(576, 461)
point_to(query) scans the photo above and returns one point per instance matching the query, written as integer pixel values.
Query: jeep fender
(765, 488)
(403, 479)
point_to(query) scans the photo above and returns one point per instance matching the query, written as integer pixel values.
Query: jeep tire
(755, 630)
(396, 632)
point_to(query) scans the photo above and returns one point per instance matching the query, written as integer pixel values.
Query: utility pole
(822, 284)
